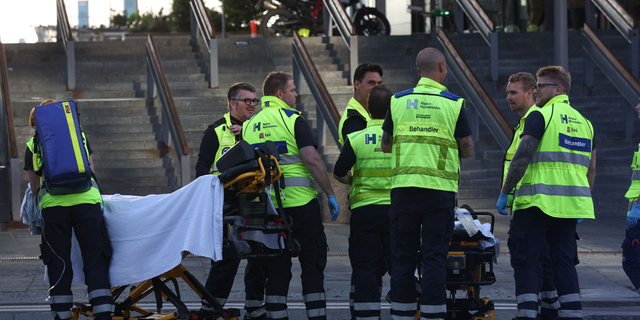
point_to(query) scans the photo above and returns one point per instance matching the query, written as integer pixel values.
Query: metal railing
(475, 93)
(619, 75)
(170, 119)
(327, 114)
(334, 10)
(200, 21)
(622, 21)
(64, 34)
(6, 122)
(485, 26)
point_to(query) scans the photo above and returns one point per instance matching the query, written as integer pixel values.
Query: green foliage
(146, 22)
(239, 14)
(119, 20)
(216, 19)
(180, 16)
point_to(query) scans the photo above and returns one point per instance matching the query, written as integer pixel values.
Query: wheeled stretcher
(245, 172)
(469, 266)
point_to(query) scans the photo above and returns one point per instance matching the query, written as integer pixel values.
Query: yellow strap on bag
(74, 136)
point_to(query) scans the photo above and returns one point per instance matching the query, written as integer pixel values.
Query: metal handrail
(485, 26)
(475, 92)
(170, 118)
(64, 33)
(622, 79)
(623, 22)
(334, 10)
(14, 161)
(326, 108)
(200, 21)
(7, 102)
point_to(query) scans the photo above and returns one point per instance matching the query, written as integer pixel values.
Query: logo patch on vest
(225, 150)
(256, 127)
(370, 138)
(575, 143)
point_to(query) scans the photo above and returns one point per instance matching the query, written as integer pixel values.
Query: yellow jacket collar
(431, 83)
(356, 105)
(531, 109)
(274, 102)
(375, 122)
(563, 98)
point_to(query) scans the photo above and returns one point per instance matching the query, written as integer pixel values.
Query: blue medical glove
(502, 203)
(580, 220)
(334, 208)
(632, 218)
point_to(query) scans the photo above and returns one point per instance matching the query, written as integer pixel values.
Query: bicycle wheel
(273, 23)
(371, 22)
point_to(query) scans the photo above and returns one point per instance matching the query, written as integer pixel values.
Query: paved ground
(605, 290)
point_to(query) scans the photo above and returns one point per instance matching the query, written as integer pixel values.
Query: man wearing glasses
(218, 139)
(555, 165)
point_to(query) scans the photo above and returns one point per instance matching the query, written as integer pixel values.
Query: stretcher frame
(474, 274)
(248, 182)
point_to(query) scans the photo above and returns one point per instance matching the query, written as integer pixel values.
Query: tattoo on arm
(518, 167)
(386, 138)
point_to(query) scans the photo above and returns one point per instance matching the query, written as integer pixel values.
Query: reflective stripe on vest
(556, 178)
(425, 151)
(276, 122)
(635, 175)
(442, 157)
(565, 157)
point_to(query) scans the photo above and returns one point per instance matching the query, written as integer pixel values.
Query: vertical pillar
(194, 27)
(16, 192)
(635, 56)
(493, 41)
(213, 63)
(71, 66)
(561, 34)
(458, 15)
(353, 56)
(224, 29)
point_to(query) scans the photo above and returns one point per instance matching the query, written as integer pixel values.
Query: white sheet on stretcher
(490, 241)
(148, 234)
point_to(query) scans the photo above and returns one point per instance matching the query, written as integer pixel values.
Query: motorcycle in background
(283, 17)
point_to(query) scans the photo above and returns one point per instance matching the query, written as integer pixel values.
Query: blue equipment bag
(59, 141)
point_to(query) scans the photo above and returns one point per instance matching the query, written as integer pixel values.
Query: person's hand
(632, 217)
(334, 208)
(502, 203)
(236, 129)
(580, 220)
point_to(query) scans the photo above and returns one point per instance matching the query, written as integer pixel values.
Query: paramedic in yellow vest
(302, 168)
(356, 115)
(427, 132)
(369, 201)
(521, 100)
(218, 139)
(554, 170)
(60, 214)
(630, 246)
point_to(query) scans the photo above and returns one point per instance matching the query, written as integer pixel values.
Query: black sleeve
(534, 125)
(351, 125)
(208, 148)
(462, 126)
(346, 160)
(304, 135)
(387, 125)
(88, 146)
(28, 160)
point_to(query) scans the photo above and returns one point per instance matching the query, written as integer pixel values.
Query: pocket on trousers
(631, 252)
(517, 250)
(44, 254)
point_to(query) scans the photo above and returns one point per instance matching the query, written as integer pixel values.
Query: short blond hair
(526, 79)
(557, 73)
(32, 116)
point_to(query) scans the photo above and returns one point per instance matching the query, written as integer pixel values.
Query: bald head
(431, 64)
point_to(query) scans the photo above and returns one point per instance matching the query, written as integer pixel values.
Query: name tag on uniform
(575, 143)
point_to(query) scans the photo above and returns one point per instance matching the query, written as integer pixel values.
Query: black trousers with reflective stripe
(418, 224)
(370, 256)
(88, 224)
(222, 274)
(547, 284)
(309, 231)
(276, 271)
(530, 230)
